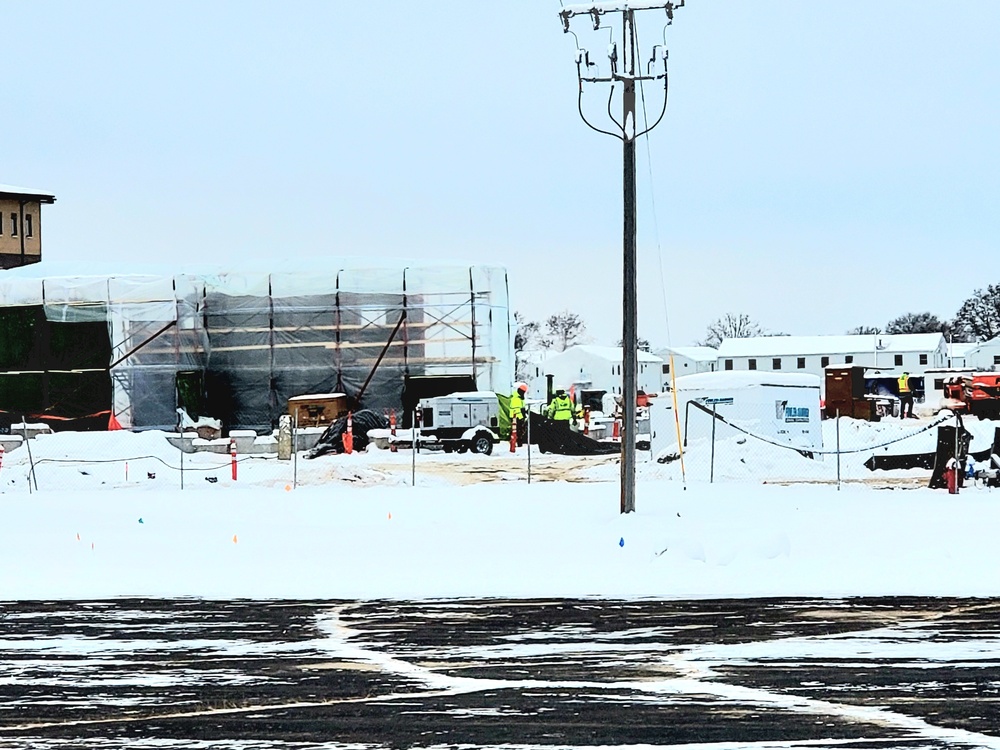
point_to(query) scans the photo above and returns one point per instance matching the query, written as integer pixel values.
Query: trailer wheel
(448, 447)
(482, 443)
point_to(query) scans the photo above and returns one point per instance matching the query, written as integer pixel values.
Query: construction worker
(560, 409)
(518, 413)
(905, 396)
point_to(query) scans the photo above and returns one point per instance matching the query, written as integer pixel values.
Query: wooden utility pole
(627, 130)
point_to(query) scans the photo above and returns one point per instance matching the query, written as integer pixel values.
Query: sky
(821, 166)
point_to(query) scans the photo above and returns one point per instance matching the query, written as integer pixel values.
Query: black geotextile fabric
(552, 437)
(52, 371)
(332, 439)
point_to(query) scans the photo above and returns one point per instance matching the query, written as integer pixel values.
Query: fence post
(528, 438)
(295, 451)
(232, 453)
(711, 464)
(32, 477)
(838, 449)
(413, 450)
(392, 431)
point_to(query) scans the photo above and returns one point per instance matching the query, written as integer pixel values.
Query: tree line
(978, 319)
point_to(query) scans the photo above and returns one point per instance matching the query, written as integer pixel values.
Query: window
(13, 225)
(996, 359)
(752, 364)
(898, 360)
(776, 363)
(848, 359)
(1, 225)
(729, 363)
(666, 369)
(923, 359)
(939, 384)
(29, 229)
(801, 363)
(824, 361)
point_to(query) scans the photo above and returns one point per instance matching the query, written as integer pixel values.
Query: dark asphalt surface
(866, 673)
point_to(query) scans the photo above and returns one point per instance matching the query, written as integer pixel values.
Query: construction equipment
(461, 422)
(978, 394)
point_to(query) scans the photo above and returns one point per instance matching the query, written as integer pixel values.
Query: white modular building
(595, 368)
(781, 407)
(913, 353)
(984, 356)
(687, 360)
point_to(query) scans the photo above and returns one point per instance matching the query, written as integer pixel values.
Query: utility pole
(623, 72)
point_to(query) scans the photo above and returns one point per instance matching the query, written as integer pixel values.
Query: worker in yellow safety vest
(517, 412)
(561, 409)
(905, 396)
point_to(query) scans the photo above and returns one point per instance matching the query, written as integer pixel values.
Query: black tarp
(53, 372)
(553, 437)
(332, 439)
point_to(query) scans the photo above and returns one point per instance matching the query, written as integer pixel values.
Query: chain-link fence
(785, 445)
(701, 445)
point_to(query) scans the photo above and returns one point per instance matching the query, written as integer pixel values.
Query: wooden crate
(317, 409)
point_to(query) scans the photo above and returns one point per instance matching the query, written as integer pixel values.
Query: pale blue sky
(821, 165)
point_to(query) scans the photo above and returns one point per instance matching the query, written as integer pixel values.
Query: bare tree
(528, 336)
(731, 326)
(642, 344)
(979, 316)
(564, 329)
(923, 322)
(865, 331)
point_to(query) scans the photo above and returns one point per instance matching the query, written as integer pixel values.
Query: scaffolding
(248, 341)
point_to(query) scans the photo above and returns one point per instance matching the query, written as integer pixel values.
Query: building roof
(696, 353)
(44, 196)
(732, 379)
(961, 348)
(786, 346)
(611, 353)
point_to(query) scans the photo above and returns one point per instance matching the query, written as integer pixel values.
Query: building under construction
(76, 349)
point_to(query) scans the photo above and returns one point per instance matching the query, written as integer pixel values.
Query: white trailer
(781, 407)
(461, 422)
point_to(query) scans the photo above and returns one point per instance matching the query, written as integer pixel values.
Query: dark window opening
(752, 364)
(28, 228)
(801, 363)
(923, 359)
(898, 359)
(848, 359)
(666, 369)
(824, 361)
(729, 363)
(776, 364)
(13, 225)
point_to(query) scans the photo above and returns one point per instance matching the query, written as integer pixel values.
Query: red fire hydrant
(951, 476)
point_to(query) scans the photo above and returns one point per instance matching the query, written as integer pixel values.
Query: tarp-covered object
(332, 439)
(551, 437)
(260, 338)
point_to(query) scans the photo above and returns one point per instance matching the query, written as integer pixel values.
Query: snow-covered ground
(353, 527)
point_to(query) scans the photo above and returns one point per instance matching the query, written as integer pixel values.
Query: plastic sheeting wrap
(247, 342)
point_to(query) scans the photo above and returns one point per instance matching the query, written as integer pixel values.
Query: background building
(237, 345)
(21, 225)
(913, 353)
